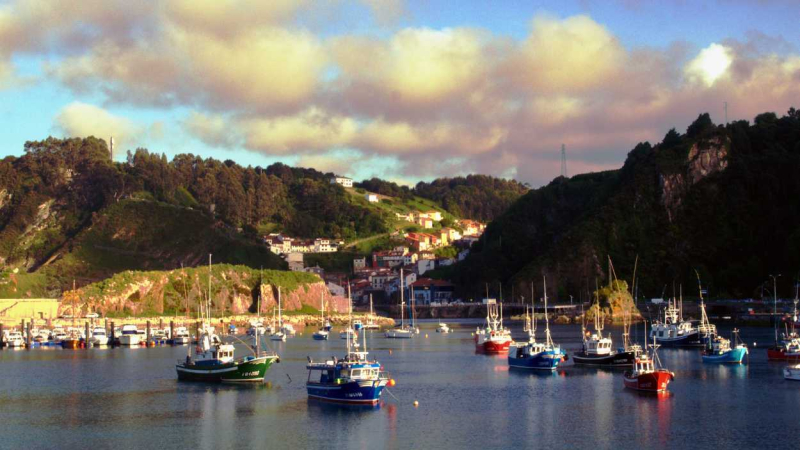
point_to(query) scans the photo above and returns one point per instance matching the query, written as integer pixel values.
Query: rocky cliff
(233, 290)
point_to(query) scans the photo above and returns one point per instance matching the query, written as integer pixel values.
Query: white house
(336, 290)
(424, 265)
(372, 198)
(344, 181)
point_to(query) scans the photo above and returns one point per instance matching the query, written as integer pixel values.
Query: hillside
(233, 289)
(719, 199)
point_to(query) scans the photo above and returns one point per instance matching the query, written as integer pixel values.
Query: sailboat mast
(208, 300)
(349, 316)
(546, 319)
(402, 301)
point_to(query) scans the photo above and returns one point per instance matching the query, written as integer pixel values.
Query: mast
(349, 317)
(402, 301)
(280, 317)
(322, 310)
(548, 340)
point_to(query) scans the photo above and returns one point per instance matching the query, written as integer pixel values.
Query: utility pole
(563, 161)
(725, 105)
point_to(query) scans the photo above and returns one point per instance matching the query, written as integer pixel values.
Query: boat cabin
(99, 332)
(719, 345)
(643, 365)
(340, 372)
(527, 350)
(598, 346)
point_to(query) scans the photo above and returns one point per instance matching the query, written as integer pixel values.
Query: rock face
(614, 301)
(234, 290)
(705, 158)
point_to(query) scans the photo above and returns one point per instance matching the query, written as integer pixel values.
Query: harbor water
(130, 398)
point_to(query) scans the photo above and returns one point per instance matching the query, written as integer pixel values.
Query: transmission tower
(563, 161)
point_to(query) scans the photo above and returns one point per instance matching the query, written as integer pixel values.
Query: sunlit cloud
(712, 63)
(82, 120)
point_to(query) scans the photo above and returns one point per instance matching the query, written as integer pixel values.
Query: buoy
(391, 382)
(416, 403)
(390, 351)
(426, 335)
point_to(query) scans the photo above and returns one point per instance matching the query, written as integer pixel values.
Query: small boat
(673, 331)
(256, 327)
(494, 338)
(217, 363)
(14, 339)
(279, 334)
(597, 349)
(129, 336)
(322, 333)
(536, 355)
(348, 333)
(402, 331)
(357, 325)
(288, 329)
(371, 325)
(442, 328)
(57, 335)
(788, 348)
(719, 350)
(181, 336)
(647, 373)
(99, 337)
(792, 372)
(352, 380)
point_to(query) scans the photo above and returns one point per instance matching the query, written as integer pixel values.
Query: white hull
(17, 343)
(99, 341)
(399, 334)
(792, 373)
(278, 337)
(181, 340)
(129, 340)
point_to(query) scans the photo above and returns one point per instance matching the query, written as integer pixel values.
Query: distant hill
(722, 199)
(477, 197)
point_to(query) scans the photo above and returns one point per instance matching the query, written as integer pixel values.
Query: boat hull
(399, 334)
(239, 371)
(71, 343)
(792, 373)
(320, 336)
(354, 392)
(732, 356)
(780, 354)
(492, 346)
(649, 382)
(129, 340)
(621, 359)
(547, 360)
(688, 340)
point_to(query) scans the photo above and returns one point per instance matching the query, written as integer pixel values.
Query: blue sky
(407, 91)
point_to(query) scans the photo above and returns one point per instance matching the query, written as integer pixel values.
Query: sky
(402, 90)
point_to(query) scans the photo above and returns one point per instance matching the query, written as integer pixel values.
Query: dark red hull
(493, 347)
(650, 382)
(780, 354)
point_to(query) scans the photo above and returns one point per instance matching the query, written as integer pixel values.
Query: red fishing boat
(493, 338)
(647, 374)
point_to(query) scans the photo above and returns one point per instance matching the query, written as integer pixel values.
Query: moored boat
(129, 336)
(14, 339)
(99, 337)
(673, 331)
(218, 364)
(181, 336)
(442, 328)
(355, 379)
(402, 331)
(321, 334)
(792, 372)
(647, 374)
(719, 350)
(598, 349)
(536, 355)
(279, 334)
(493, 338)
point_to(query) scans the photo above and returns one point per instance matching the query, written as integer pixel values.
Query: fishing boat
(402, 331)
(129, 336)
(598, 349)
(442, 328)
(719, 350)
(792, 372)
(73, 338)
(673, 331)
(536, 355)
(57, 335)
(217, 363)
(493, 338)
(788, 347)
(278, 334)
(322, 333)
(647, 373)
(14, 339)
(181, 336)
(355, 379)
(99, 337)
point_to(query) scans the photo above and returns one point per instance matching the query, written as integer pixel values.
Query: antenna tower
(725, 104)
(563, 161)
(111, 148)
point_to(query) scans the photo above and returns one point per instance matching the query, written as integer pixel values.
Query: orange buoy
(391, 382)
(416, 403)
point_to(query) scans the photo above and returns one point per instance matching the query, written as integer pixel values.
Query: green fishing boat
(222, 367)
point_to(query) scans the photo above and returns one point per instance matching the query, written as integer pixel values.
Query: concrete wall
(14, 309)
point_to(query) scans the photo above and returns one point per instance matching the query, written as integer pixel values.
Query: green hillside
(719, 199)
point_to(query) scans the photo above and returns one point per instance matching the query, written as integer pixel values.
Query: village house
(390, 258)
(452, 234)
(372, 198)
(344, 181)
(280, 244)
(427, 291)
(335, 289)
(378, 280)
(436, 216)
(424, 265)
(410, 258)
(359, 263)
(295, 261)
(472, 227)
(425, 222)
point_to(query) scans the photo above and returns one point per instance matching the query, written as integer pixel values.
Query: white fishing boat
(442, 328)
(99, 337)
(129, 336)
(792, 372)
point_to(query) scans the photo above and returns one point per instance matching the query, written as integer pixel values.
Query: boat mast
(349, 317)
(280, 317)
(548, 340)
(322, 309)
(402, 301)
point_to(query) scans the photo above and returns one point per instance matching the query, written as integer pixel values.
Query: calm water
(129, 398)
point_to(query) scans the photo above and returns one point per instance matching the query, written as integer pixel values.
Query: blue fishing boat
(536, 355)
(352, 380)
(719, 350)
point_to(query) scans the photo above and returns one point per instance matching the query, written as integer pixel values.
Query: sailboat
(73, 338)
(401, 332)
(216, 362)
(322, 333)
(647, 373)
(537, 355)
(353, 380)
(371, 325)
(257, 327)
(442, 328)
(349, 333)
(278, 334)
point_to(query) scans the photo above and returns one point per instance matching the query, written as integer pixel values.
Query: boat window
(356, 373)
